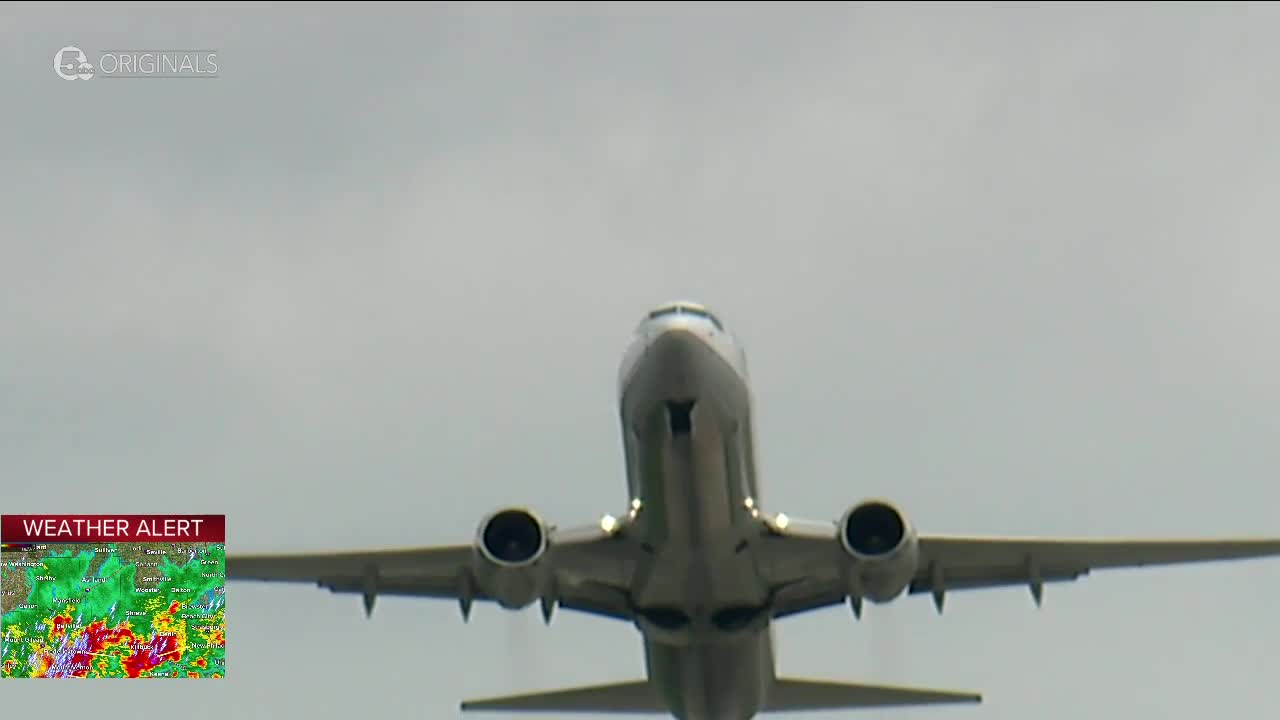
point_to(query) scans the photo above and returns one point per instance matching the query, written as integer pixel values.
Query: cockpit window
(686, 309)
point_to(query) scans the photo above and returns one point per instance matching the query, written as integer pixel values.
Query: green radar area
(96, 596)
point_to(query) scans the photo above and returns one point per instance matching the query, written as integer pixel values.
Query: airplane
(697, 564)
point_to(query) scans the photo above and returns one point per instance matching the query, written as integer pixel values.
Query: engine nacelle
(509, 543)
(884, 548)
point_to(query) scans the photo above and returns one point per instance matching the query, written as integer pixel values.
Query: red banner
(112, 528)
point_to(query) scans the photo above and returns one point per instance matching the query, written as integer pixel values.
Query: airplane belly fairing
(685, 413)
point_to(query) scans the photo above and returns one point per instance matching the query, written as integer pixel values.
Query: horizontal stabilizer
(790, 695)
(628, 697)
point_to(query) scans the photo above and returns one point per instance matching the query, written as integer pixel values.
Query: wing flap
(589, 598)
(796, 695)
(626, 697)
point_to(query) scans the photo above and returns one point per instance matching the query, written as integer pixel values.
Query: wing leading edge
(805, 561)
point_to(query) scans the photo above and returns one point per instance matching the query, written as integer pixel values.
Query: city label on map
(112, 596)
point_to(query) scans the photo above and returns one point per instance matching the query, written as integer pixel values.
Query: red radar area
(98, 596)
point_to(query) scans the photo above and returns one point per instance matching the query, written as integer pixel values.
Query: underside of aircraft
(697, 564)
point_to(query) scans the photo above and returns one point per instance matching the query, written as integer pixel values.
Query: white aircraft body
(698, 565)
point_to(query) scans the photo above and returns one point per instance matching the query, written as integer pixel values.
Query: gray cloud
(1011, 267)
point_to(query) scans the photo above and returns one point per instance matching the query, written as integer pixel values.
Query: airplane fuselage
(688, 436)
(697, 565)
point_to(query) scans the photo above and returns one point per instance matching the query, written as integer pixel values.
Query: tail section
(788, 695)
(793, 695)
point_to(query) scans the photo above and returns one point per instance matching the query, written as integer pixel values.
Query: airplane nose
(679, 343)
(676, 345)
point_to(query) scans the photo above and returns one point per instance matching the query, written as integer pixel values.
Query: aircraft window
(686, 310)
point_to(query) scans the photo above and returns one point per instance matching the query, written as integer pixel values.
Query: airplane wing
(804, 561)
(588, 566)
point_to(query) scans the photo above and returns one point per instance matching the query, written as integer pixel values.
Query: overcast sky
(1013, 268)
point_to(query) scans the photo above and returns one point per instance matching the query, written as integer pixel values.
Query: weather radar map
(112, 596)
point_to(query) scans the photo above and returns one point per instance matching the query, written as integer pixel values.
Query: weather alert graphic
(112, 596)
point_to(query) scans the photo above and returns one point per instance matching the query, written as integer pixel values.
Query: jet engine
(509, 543)
(884, 548)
